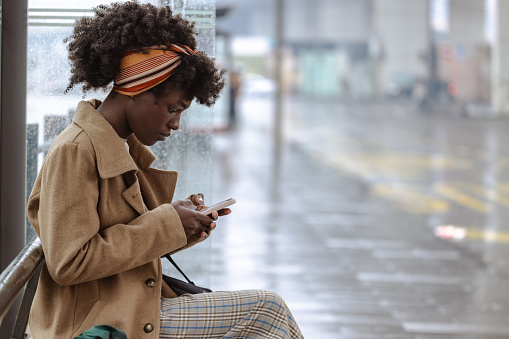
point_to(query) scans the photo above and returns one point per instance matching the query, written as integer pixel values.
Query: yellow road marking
(463, 150)
(488, 236)
(485, 192)
(503, 187)
(462, 199)
(410, 199)
(457, 233)
(504, 161)
(349, 155)
(483, 155)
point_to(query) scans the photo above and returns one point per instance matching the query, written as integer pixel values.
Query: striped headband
(141, 71)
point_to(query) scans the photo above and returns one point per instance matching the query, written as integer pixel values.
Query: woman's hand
(193, 221)
(198, 201)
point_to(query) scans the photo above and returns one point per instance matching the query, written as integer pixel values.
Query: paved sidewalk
(350, 259)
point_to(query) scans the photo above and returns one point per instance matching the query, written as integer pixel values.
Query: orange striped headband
(140, 71)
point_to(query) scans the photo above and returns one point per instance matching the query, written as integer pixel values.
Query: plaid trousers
(238, 314)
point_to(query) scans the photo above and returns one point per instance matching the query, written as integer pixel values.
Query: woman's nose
(175, 122)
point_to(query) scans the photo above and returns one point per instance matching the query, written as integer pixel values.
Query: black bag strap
(178, 268)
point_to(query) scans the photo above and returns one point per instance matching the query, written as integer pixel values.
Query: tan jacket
(104, 220)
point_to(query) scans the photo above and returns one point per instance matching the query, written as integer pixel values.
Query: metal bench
(23, 271)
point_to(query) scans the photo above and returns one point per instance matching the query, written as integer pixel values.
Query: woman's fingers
(207, 230)
(214, 215)
(206, 223)
(205, 219)
(224, 211)
(197, 199)
(193, 221)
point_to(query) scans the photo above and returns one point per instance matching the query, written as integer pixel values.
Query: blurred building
(374, 49)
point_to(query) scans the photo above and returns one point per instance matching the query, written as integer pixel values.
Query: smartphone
(218, 206)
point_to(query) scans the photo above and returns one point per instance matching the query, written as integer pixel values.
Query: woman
(105, 217)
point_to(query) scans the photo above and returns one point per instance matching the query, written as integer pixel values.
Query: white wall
(327, 20)
(306, 21)
(466, 25)
(402, 27)
(500, 69)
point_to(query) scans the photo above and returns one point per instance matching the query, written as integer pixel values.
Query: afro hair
(98, 43)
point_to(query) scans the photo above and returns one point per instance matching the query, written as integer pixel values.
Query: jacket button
(151, 283)
(148, 328)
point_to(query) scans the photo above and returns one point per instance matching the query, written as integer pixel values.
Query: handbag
(181, 287)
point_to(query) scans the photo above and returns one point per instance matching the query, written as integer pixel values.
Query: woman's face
(152, 120)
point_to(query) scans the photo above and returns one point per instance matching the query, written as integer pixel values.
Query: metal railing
(16, 276)
(65, 17)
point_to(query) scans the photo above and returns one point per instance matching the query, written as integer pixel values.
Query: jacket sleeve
(75, 248)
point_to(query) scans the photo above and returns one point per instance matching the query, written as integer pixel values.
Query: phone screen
(218, 206)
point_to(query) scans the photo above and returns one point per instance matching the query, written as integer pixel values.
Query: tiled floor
(346, 231)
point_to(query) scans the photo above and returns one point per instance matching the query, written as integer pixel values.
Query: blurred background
(442, 51)
(365, 144)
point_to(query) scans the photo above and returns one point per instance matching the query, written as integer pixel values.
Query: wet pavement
(382, 222)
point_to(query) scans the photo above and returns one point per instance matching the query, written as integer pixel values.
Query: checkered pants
(238, 314)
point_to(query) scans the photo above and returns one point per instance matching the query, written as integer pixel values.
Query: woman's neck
(112, 109)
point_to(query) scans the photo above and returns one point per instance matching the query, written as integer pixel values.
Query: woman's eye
(171, 110)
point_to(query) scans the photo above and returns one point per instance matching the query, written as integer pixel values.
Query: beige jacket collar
(112, 156)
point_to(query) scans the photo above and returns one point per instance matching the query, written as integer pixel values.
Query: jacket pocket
(90, 318)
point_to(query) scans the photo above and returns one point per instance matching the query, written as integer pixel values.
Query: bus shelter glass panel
(49, 110)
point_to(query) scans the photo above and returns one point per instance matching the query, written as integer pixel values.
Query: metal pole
(432, 62)
(32, 155)
(278, 122)
(12, 138)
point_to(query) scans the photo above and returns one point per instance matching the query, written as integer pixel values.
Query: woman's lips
(163, 136)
